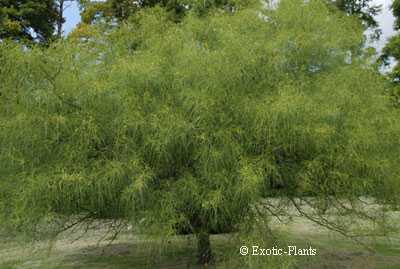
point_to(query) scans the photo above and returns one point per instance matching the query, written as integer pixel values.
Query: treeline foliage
(42, 21)
(365, 10)
(186, 127)
(28, 20)
(122, 9)
(391, 52)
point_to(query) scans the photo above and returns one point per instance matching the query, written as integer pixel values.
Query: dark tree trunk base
(204, 249)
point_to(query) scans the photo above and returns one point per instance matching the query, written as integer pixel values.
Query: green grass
(339, 252)
(132, 252)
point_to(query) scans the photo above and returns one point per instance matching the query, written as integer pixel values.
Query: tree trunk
(204, 248)
(60, 19)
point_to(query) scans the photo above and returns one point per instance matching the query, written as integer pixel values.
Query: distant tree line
(391, 52)
(42, 20)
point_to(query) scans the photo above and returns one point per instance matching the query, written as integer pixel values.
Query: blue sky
(385, 19)
(72, 17)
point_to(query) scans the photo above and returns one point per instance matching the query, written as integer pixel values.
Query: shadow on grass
(180, 253)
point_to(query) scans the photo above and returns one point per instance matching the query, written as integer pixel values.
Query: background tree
(391, 52)
(364, 10)
(392, 48)
(61, 5)
(120, 10)
(28, 20)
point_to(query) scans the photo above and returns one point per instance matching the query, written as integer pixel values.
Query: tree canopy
(392, 49)
(365, 10)
(189, 127)
(28, 20)
(42, 21)
(391, 52)
(121, 10)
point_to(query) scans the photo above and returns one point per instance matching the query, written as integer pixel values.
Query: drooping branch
(51, 79)
(324, 222)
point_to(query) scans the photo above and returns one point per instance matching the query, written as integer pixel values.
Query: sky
(72, 17)
(385, 19)
(386, 22)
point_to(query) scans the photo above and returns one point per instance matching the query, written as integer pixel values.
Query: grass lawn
(133, 252)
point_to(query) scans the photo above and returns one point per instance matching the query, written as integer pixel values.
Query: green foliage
(365, 10)
(391, 52)
(28, 20)
(186, 127)
(121, 10)
(396, 13)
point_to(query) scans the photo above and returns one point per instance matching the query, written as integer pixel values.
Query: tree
(364, 10)
(121, 10)
(181, 128)
(28, 20)
(391, 52)
(392, 48)
(61, 5)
